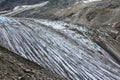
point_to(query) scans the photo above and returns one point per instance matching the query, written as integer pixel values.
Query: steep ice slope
(63, 51)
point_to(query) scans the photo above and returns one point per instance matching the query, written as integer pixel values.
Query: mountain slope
(14, 67)
(10, 4)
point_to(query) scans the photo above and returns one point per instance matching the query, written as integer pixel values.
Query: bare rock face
(60, 47)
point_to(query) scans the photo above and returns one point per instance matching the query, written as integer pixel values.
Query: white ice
(88, 1)
(54, 24)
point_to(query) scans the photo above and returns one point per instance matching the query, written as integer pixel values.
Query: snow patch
(31, 6)
(88, 1)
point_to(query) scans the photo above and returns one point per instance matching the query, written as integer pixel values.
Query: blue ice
(3, 19)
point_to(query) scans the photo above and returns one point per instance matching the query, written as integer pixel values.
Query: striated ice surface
(58, 47)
